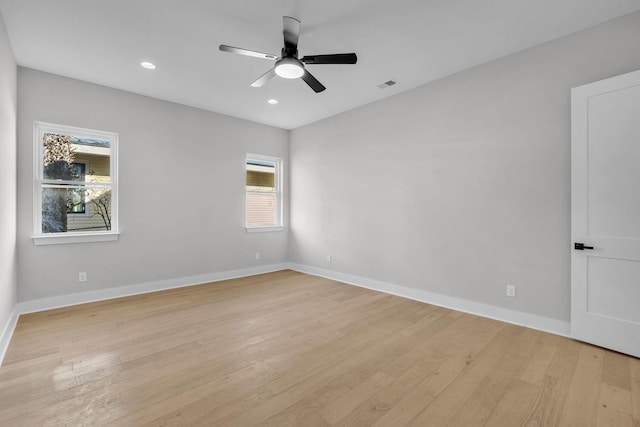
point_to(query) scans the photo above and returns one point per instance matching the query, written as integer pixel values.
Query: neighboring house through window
(75, 185)
(263, 193)
(77, 204)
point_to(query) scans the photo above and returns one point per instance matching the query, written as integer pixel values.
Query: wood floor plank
(290, 349)
(635, 392)
(450, 396)
(514, 408)
(356, 348)
(538, 363)
(432, 384)
(614, 407)
(548, 406)
(616, 370)
(496, 383)
(582, 401)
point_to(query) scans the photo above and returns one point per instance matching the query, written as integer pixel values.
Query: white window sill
(264, 229)
(67, 238)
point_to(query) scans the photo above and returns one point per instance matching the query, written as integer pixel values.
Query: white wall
(181, 173)
(461, 186)
(8, 259)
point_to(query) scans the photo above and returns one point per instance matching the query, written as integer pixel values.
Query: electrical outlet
(329, 258)
(82, 276)
(511, 291)
(257, 255)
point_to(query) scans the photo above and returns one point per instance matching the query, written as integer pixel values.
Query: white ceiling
(410, 41)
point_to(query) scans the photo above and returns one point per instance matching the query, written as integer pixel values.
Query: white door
(605, 213)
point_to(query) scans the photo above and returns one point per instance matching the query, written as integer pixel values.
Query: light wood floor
(288, 349)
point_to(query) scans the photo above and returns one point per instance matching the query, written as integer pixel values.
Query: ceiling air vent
(386, 84)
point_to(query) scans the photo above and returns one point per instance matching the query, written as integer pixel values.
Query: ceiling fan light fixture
(288, 65)
(289, 68)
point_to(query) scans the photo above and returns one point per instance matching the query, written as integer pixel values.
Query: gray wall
(8, 259)
(461, 186)
(181, 173)
(457, 187)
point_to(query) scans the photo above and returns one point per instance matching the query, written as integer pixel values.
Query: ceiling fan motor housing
(289, 67)
(289, 51)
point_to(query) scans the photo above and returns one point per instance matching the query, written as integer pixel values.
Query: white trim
(533, 321)
(71, 237)
(264, 229)
(121, 291)
(546, 324)
(39, 129)
(586, 325)
(141, 288)
(279, 193)
(7, 332)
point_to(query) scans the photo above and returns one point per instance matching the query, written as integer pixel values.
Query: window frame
(40, 238)
(278, 179)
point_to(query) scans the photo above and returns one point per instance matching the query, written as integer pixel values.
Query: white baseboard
(7, 332)
(141, 288)
(60, 301)
(545, 324)
(554, 326)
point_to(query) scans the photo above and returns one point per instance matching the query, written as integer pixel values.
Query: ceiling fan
(288, 65)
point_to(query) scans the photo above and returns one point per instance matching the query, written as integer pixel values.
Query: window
(75, 194)
(263, 193)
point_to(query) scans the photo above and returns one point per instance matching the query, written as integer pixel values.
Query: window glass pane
(262, 191)
(54, 210)
(62, 152)
(57, 156)
(95, 154)
(98, 212)
(261, 209)
(261, 175)
(61, 214)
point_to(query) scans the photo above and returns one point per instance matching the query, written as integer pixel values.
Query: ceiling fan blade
(264, 78)
(247, 52)
(291, 32)
(312, 82)
(337, 58)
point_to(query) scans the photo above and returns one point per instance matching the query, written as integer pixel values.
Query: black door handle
(581, 247)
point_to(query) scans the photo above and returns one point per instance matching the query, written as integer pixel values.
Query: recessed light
(148, 65)
(273, 101)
